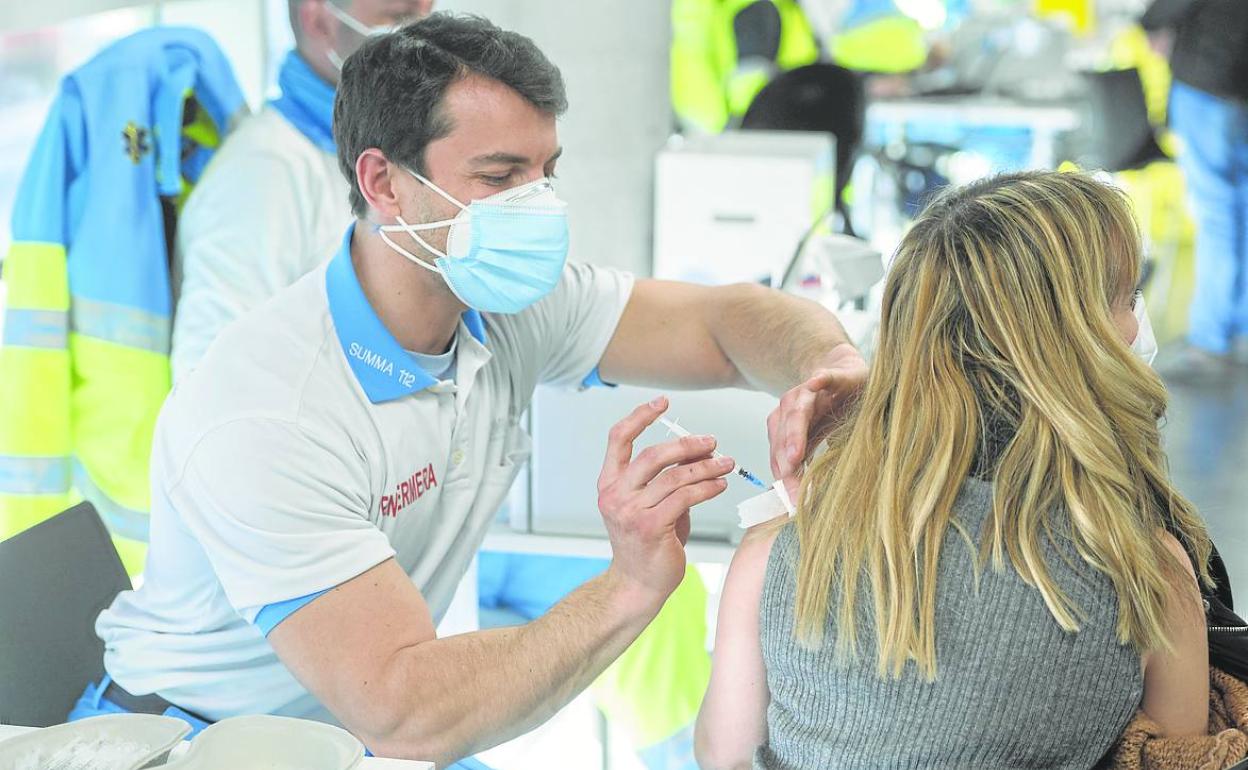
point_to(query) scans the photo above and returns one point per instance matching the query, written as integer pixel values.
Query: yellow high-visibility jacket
(84, 361)
(710, 83)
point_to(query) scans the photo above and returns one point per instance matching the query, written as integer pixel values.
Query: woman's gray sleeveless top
(1012, 689)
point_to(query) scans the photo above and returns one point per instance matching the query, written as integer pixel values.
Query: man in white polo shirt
(323, 478)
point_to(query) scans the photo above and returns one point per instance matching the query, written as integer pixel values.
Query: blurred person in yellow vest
(725, 51)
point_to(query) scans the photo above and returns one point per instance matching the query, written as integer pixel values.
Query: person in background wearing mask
(271, 205)
(989, 564)
(323, 478)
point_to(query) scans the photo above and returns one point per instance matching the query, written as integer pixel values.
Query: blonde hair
(997, 312)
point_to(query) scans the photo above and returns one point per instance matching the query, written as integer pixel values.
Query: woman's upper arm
(1176, 683)
(733, 720)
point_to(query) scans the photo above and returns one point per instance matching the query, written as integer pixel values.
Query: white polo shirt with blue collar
(308, 447)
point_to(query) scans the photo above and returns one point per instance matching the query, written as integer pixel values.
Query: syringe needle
(674, 427)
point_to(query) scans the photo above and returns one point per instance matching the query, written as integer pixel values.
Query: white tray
(272, 743)
(113, 742)
(10, 735)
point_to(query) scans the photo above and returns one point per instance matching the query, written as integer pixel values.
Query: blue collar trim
(382, 367)
(475, 324)
(307, 102)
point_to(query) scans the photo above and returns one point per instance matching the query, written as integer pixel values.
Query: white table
(369, 763)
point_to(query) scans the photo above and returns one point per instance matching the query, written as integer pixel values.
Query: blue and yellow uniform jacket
(84, 361)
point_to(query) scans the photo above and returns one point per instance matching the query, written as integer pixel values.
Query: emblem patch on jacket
(136, 146)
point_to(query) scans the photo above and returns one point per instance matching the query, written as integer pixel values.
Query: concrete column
(613, 56)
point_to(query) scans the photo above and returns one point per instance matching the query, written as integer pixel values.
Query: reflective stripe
(123, 325)
(36, 328)
(34, 475)
(120, 520)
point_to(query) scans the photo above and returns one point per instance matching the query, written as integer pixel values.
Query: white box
(733, 207)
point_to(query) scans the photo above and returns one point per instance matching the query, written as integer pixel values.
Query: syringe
(675, 428)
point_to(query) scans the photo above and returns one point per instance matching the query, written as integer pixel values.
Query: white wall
(239, 27)
(26, 14)
(613, 55)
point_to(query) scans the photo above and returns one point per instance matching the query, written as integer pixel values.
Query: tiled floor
(1206, 437)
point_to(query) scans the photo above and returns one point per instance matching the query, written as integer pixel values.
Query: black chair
(1122, 138)
(817, 97)
(55, 578)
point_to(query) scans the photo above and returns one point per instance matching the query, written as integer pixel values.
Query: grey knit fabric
(1012, 689)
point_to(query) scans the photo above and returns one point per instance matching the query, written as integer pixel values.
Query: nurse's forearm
(456, 696)
(775, 340)
(679, 335)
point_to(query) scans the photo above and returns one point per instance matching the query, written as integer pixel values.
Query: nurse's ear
(379, 183)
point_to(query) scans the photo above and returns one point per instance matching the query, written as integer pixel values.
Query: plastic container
(112, 742)
(270, 743)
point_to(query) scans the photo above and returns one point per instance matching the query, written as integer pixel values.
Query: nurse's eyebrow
(500, 157)
(507, 158)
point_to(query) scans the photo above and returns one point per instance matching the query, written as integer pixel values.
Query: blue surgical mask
(503, 253)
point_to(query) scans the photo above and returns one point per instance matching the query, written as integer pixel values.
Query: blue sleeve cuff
(270, 615)
(594, 380)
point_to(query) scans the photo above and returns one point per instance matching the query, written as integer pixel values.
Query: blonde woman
(979, 574)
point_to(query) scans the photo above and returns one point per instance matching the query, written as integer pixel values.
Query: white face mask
(1145, 344)
(354, 24)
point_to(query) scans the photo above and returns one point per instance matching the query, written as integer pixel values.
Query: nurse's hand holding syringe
(645, 499)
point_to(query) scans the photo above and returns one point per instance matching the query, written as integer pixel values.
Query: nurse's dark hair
(391, 92)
